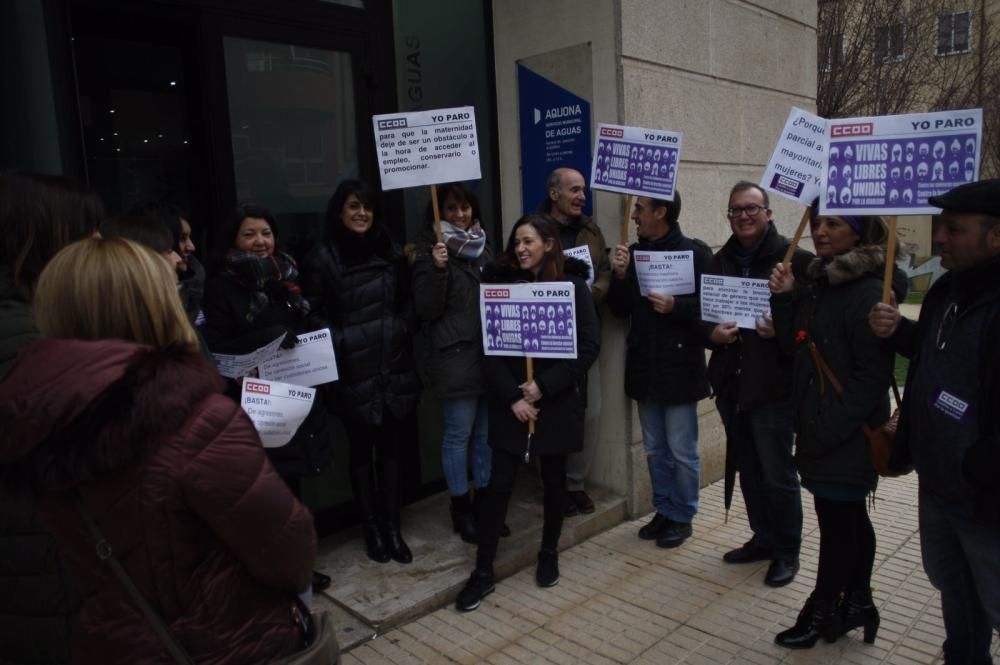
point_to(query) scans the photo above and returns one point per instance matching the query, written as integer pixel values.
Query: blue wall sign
(555, 132)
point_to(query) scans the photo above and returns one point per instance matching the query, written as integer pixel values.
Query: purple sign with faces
(633, 160)
(893, 164)
(537, 320)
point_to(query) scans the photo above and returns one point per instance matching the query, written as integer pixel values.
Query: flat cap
(982, 197)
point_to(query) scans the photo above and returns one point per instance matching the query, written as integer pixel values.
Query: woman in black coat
(446, 278)
(357, 281)
(555, 400)
(254, 298)
(825, 320)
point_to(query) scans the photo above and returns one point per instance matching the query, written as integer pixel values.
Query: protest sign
(235, 366)
(664, 273)
(740, 299)
(427, 147)
(796, 167)
(583, 253)
(634, 160)
(537, 320)
(891, 165)
(310, 363)
(276, 409)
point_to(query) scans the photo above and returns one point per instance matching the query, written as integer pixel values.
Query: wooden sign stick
(796, 238)
(531, 423)
(437, 212)
(627, 220)
(890, 258)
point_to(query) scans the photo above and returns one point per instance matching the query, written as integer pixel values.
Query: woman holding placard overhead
(841, 379)
(357, 280)
(551, 403)
(252, 300)
(446, 277)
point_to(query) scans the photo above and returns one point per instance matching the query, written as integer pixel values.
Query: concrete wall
(723, 72)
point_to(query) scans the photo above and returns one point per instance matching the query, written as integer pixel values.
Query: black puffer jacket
(360, 286)
(665, 360)
(559, 428)
(831, 307)
(38, 604)
(226, 330)
(752, 371)
(977, 293)
(447, 301)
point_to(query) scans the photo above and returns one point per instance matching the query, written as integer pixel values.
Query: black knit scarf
(266, 277)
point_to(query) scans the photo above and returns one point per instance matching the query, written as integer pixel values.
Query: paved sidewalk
(622, 600)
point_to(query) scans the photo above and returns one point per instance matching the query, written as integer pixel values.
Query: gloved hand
(289, 341)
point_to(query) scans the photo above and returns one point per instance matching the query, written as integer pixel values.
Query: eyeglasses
(947, 325)
(733, 213)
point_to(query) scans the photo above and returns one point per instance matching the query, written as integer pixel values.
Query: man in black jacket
(751, 380)
(664, 368)
(948, 425)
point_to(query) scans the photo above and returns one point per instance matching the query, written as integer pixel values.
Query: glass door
(294, 130)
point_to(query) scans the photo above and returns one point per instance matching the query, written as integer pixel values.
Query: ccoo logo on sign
(262, 388)
(610, 131)
(498, 293)
(857, 129)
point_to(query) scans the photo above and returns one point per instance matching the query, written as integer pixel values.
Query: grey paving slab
(622, 600)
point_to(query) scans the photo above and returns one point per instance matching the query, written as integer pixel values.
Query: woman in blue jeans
(446, 278)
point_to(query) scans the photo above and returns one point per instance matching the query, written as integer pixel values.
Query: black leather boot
(858, 610)
(462, 518)
(389, 484)
(394, 542)
(375, 546)
(363, 484)
(818, 618)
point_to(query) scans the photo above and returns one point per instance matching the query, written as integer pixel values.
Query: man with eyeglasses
(664, 368)
(949, 424)
(749, 376)
(567, 195)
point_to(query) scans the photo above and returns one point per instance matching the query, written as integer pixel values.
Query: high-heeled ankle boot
(375, 546)
(462, 518)
(818, 618)
(858, 610)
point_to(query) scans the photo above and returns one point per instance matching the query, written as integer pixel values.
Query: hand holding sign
(782, 279)
(662, 303)
(620, 261)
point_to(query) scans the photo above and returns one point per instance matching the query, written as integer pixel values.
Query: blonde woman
(119, 413)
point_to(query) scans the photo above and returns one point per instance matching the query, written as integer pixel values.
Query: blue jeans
(962, 560)
(768, 479)
(465, 426)
(670, 436)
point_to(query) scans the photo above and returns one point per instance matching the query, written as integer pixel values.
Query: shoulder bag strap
(106, 554)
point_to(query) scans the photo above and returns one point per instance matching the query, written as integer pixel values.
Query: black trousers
(374, 452)
(846, 548)
(494, 511)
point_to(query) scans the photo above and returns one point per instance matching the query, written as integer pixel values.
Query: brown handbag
(879, 440)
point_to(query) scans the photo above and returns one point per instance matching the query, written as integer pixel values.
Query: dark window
(953, 33)
(889, 42)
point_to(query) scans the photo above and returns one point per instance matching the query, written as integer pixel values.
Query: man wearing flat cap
(949, 425)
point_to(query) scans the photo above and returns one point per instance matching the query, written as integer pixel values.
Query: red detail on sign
(642, 257)
(258, 387)
(498, 293)
(857, 129)
(608, 131)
